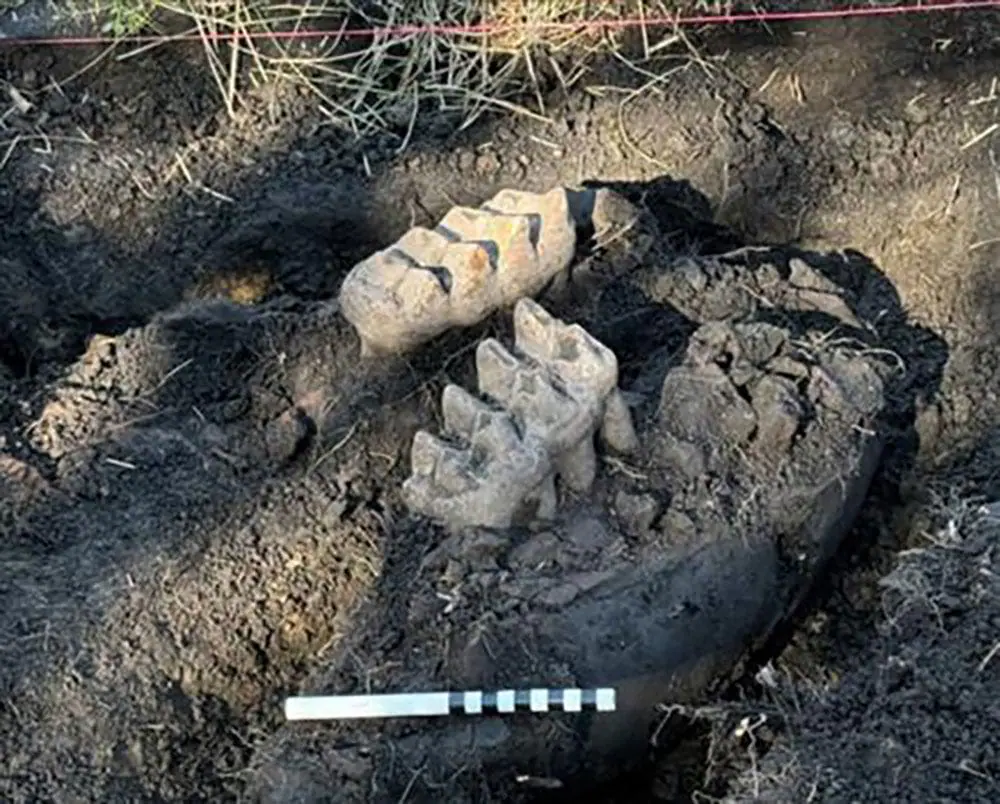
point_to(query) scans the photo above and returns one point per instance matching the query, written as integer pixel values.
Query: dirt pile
(170, 572)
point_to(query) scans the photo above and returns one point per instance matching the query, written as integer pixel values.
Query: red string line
(400, 31)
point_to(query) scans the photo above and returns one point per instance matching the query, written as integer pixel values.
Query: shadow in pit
(680, 767)
(62, 285)
(301, 220)
(187, 469)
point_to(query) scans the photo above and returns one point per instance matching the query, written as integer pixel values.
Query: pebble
(487, 163)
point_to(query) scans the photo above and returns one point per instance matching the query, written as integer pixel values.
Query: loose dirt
(199, 479)
(915, 713)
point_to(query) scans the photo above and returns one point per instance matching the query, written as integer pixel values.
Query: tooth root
(460, 410)
(533, 329)
(548, 501)
(578, 466)
(617, 428)
(424, 453)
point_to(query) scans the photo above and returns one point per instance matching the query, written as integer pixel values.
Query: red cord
(398, 31)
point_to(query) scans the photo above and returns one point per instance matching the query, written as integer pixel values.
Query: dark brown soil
(913, 716)
(198, 495)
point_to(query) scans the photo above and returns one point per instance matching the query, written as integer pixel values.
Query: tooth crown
(474, 262)
(553, 396)
(490, 479)
(533, 396)
(569, 352)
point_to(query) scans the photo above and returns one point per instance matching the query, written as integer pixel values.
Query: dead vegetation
(373, 66)
(875, 727)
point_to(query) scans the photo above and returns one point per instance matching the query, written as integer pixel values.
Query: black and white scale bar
(438, 704)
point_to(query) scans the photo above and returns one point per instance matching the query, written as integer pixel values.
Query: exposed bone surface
(489, 478)
(553, 393)
(476, 261)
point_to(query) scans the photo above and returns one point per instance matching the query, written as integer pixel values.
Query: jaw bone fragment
(555, 393)
(474, 262)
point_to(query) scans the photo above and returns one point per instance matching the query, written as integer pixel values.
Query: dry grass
(374, 83)
(923, 573)
(377, 83)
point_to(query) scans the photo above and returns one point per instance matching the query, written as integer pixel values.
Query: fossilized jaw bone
(554, 394)
(476, 261)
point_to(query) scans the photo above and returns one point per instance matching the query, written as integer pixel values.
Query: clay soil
(195, 497)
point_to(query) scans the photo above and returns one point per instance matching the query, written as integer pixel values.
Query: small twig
(413, 120)
(176, 370)
(988, 658)
(334, 449)
(984, 243)
(234, 55)
(9, 151)
(982, 135)
(618, 465)
(409, 787)
(121, 464)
